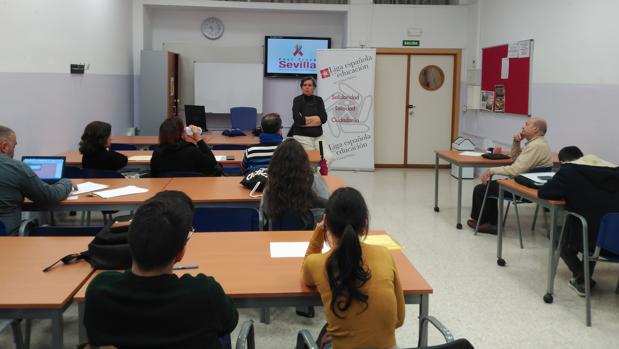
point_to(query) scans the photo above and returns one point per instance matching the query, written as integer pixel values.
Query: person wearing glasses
(148, 306)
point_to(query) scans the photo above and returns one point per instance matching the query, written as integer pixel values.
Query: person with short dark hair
(358, 283)
(95, 148)
(308, 113)
(259, 156)
(590, 188)
(570, 153)
(148, 306)
(179, 152)
(17, 181)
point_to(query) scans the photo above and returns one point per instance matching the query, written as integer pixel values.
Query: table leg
(499, 241)
(436, 209)
(57, 330)
(81, 329)
(423, 326)
(553, 227)
(459, 223)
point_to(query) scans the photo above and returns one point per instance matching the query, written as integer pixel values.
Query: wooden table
(74, 158)
(242, 264)
(453, 157)
(26, 292)
(211, 138)
(555, 207)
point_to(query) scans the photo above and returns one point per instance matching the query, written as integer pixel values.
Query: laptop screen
(46, 167)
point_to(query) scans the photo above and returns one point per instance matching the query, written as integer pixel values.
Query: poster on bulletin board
(506, 78)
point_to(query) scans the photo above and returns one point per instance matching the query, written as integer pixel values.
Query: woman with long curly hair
(293, 188)
(95, 148)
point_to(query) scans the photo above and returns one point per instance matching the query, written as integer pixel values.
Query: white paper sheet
(220, 157)
(291, 249)
(128, 190)
(140, 158)
(87, 187)
(471, 153)
(524, 48)
(505, 68)
(539, 177)
(512, 50)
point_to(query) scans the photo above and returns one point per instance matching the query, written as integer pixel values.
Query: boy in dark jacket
(590, 187)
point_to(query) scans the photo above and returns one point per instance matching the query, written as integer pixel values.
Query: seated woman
(179, 152)
(293, 187)
(358, 283)
(95, 148)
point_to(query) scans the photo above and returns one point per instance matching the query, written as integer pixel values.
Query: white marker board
(221, 86)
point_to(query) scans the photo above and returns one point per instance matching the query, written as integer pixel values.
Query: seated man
(17, 180)
(148, 306)
(569, 154)
(259, 156)
(536, 153)
(590, 187)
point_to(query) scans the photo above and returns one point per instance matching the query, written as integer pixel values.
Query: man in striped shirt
(259, 156)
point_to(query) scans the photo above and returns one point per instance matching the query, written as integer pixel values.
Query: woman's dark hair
(171, 131)
(305, 78)
(95, 137)
(290, 180)
(570, 153)
(346, 217)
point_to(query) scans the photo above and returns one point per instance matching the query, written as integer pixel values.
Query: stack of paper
(471, 153)
(220, 157)
(128, 190)
(383, 240)
(87, 187)
(539, 177)
(140, 158)
(291, 249)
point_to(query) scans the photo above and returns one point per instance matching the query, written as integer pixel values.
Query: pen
(185, 267)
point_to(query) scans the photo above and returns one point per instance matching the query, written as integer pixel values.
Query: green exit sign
(410, 42)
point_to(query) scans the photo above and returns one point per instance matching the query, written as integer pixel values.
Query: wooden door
(431, 93)
(173, 84)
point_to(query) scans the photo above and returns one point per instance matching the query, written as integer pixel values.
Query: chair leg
(585, 259)
(17, 335)
(535, 217)
(27, 332)
(506, 212)
(481, 210)
(518, 221)
(265, 315)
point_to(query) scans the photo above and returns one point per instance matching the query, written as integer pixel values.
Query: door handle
(410, 106)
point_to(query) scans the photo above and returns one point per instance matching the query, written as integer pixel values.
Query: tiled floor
(493, 307)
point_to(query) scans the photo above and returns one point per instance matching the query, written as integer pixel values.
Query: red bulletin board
(517, 85)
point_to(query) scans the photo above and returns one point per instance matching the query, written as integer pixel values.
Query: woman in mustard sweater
(358, 283)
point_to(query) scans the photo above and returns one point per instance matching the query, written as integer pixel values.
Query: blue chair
(121, 146)
(152, 147)
(2, 229)
(511, 199)
(73, 172)
(243, 118)
(607, 241)
(57, 230)
(212, 219)
(292, 222)
(172, 174)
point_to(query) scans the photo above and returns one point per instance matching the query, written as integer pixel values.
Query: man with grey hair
(536, 154)
(17, 180)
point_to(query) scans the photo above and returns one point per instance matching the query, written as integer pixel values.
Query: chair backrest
(172, 174)
(232, 218)
(229, 147)
(57, 230)
(90, 173)
(72, 172)
(608, 233)
(243, 118)
(121, 146)
(2, 229)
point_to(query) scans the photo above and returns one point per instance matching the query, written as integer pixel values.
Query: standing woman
(95, 148)
(308, 112)
(358, 283)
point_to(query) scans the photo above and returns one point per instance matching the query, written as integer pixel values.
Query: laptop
(195, 115)
(49, 168)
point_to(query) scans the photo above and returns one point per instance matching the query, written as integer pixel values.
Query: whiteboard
(221, 86)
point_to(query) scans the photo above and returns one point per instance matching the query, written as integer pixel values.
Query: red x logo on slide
(297, 50)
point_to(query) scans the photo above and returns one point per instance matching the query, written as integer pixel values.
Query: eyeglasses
(190, 233)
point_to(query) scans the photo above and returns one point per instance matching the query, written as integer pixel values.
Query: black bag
(493, 156)
(257, 177)
(527, 182)
(109, 250)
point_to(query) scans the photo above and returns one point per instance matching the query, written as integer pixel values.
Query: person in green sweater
(148, 306)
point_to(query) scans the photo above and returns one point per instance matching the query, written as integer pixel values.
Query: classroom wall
(575, 73)
(40, 99)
